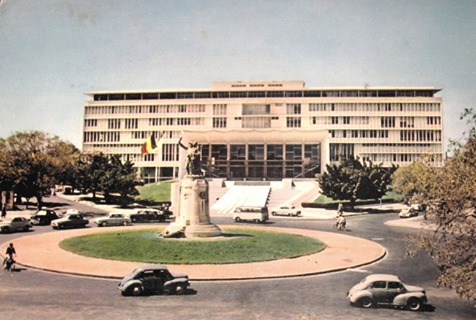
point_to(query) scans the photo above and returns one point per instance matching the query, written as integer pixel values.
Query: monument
(192, 211)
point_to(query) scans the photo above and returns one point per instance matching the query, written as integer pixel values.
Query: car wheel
(180, 288)
(26, 228)
(135, 290)
(365, 302)
(125, 223)
(5, 229)
(414, 304)
(238, 219)
(273, 213)
(103, 224)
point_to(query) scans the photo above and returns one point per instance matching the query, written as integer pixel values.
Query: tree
(91, 170)
(452, 209)
(120, 178)
(414, 181)
(33, 162)
(353, 179)
(99, 172)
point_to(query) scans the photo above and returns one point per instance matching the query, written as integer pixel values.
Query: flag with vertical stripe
(149, 145)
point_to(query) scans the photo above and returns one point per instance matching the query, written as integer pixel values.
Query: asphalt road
(32, 294)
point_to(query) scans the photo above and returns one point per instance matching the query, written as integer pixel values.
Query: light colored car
(386, 289)
(70, 220)
(251, 213)
(113, 219)
(153, 279)
(412, 211)
(291, 211)
(15, 224)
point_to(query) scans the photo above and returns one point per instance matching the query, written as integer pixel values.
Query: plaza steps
(225, 196)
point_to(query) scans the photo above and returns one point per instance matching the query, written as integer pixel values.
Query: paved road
(31, 294)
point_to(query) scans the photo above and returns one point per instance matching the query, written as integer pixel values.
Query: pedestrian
(9, 261)
(340, 209)
(4, 211)
(11, 251)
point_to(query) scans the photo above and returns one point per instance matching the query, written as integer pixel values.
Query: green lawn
(238, 245)
(156, 192)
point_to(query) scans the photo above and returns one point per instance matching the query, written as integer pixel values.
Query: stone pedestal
(192, 210)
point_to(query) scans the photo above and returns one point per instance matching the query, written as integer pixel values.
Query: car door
(17, 223)
(149, 280)
(115, 219)
(379, 291)
(394, 288)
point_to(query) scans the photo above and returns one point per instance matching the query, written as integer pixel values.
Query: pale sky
(54, 51)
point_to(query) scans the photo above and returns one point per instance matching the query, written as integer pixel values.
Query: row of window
(374, 107)
(291, 108)
(182, 108)
(263, 94)
(264, 122)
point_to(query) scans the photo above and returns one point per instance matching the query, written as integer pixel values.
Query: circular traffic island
(236, 245)
(329, 251)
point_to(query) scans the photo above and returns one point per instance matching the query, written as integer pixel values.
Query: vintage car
(15, 224)
(147, 215)
(113, 219)
(153, 279)
(412, 211)
(44, 217)
(291, 211)
(386, 289)
(70, 220)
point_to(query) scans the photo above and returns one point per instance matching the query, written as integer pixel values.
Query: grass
(238, 246)
(156, 192)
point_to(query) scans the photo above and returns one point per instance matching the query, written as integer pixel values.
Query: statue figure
(193, 158)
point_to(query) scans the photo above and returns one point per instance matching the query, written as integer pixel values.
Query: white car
(286, 211)
(386, 289)
(412, 211)
(113, 219)
(15, 224)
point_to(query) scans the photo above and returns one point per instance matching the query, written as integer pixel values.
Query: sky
(54, 51)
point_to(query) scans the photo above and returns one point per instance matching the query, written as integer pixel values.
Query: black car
(43, 217)
(153, 279)
(147, 215)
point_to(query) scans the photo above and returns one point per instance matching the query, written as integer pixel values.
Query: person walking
(9, 261)
(4, 211)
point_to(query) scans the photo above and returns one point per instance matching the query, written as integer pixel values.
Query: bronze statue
(193, 158)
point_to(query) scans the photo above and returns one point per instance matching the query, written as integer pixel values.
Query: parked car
(386, 289)
(70, 220)
(165, 211)
(291, 211)
(147, 215)
(251, 213)
(43, 217)
(113, 219)
(15, 224)
(412, 211)
(153, 279)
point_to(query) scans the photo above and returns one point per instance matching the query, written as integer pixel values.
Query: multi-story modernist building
(266, 129)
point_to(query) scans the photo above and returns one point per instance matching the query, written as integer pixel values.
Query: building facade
(266, 129)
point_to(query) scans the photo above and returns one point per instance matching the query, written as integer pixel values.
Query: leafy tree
(120, 178)
(91, 170)
(414, 181)
(353, 179)
(452, 210)
(99, 172)
(33, 162)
